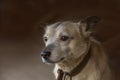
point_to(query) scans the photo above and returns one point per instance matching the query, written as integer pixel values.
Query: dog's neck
(70, 64)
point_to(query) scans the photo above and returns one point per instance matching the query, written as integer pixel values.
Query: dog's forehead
(64, 28)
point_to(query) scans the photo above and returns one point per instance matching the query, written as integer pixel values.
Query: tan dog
(76, 55)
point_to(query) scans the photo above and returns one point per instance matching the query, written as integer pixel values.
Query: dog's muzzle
(46, 57)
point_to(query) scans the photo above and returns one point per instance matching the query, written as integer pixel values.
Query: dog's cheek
(66, 51)
(76, 47)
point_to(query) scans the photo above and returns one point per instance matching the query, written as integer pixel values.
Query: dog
(75, 53)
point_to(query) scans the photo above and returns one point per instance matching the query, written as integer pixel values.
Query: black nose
(46, 54)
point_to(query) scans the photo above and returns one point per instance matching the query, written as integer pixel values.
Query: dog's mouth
(52, 62)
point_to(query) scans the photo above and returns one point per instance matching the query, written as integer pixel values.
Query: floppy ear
(88, 24)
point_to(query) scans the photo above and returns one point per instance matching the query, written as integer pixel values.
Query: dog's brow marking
(57, 24)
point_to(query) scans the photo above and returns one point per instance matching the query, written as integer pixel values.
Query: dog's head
(65, 40)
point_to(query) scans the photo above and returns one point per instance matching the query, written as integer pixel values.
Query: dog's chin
(51, 61)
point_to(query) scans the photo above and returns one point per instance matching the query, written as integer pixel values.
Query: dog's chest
(83, 76)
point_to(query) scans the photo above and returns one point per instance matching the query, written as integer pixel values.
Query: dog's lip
(50, 61)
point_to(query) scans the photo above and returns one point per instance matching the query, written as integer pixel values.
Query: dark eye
(45, 39)
(64, 38)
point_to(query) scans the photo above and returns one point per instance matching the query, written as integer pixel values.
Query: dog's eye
(45, 39)
(64, 38)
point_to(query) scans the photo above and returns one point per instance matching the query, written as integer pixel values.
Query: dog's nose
(46, 54)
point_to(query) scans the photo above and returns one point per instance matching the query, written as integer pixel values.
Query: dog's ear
(88, 24)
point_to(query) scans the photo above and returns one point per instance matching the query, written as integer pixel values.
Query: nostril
(46, 54)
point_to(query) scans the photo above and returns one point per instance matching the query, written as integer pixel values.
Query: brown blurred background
(21, 29)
